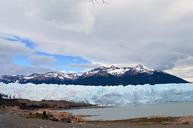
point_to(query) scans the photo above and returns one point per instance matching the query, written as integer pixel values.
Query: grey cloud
(13, 69)
(9, 50)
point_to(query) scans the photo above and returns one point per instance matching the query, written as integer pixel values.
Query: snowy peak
(142, 69)
(139, 66)
(117, 71)
(113, 70)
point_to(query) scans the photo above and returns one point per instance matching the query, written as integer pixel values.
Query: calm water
(136, 111)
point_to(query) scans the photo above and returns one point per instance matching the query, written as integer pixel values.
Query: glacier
(102, 95)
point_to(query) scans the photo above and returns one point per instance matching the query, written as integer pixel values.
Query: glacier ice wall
(108, 95)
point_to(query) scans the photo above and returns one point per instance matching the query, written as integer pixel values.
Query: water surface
(136, 111)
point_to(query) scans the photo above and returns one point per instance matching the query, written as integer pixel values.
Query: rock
(185, 120)
(55, 116)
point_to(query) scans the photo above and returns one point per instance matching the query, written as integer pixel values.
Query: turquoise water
(135, 111)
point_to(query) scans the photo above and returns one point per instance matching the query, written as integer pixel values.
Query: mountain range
(113, 75)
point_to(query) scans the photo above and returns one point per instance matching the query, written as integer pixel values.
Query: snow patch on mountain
(28, 77)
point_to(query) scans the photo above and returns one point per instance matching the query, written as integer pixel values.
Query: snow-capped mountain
(49, 77)
(112, 75)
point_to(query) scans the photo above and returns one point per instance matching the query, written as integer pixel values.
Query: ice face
(108, 95)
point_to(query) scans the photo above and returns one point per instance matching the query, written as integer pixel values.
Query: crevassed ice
(108, 95)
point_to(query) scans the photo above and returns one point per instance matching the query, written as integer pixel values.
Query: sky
(77, 35)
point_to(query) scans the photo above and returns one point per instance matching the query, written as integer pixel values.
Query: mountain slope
(138, 75)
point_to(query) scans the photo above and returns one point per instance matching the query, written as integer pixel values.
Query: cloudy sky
(75, 35)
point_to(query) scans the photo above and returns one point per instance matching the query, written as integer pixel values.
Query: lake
(135, 111)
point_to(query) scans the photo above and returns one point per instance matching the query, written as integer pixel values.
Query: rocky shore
(44, 104)
(45, 109)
